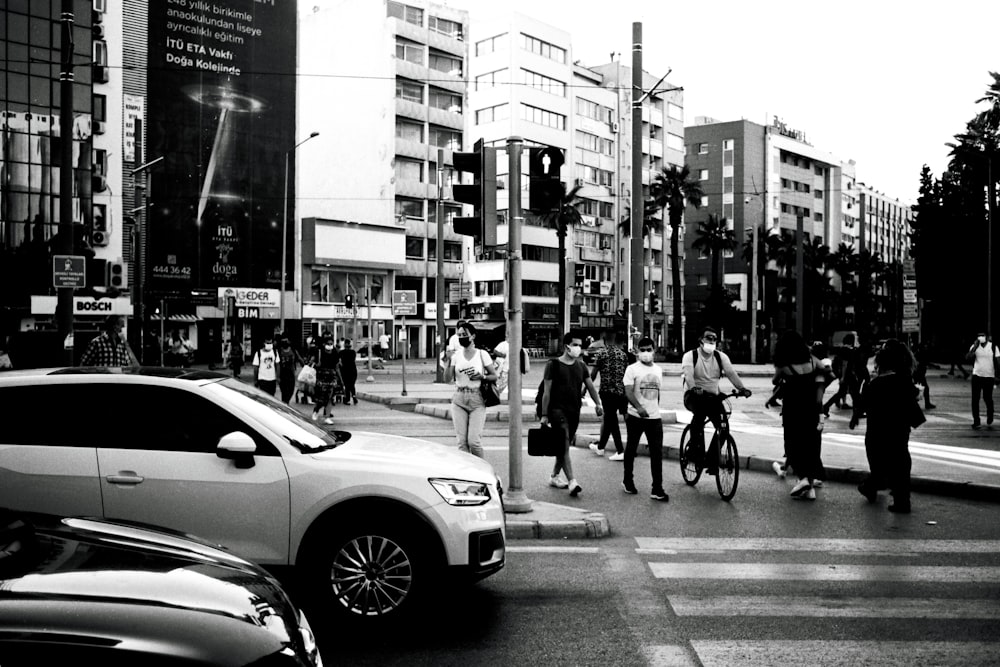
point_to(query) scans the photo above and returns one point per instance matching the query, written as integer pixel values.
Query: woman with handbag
(469, 367)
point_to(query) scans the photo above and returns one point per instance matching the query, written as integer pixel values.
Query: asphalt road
(764, 580)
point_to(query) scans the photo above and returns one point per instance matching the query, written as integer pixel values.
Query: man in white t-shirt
(643, 381)
(265, 367)
(383, 343)
(983, 354)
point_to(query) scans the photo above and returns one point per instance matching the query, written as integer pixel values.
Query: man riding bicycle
(703, 368)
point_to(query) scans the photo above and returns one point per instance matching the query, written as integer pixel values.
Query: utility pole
(439, 281)
(515, 500)
(637, 318)
(67, 246)
(799, 275)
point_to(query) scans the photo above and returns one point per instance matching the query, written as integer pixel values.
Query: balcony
(449, 119)
(411, 109)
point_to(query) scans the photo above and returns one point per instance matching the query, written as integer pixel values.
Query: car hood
(89, 561)
(421, 457)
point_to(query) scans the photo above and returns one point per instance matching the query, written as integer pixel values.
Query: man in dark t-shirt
(561, 402)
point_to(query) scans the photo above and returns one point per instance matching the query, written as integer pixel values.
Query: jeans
(613, 404)
(468, 414)
(982, 386)
(635, 427)
(702, 406)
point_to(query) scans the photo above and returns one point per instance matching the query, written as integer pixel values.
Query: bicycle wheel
(728, 477)
(690, 470)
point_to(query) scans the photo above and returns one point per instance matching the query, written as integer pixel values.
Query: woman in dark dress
(328, 379)
(802, 378)
(889, 403)
(349, 372)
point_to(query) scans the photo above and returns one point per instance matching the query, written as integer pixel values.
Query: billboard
(221, 111)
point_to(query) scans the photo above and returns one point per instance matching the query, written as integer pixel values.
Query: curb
(442, 410)
(589, 525)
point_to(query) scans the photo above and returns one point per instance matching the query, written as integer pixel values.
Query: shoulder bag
(546, 441)
(488, 389)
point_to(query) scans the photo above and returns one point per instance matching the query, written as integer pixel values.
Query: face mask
(465, 342)
(574, 351)
(268, 347)
(708, 347)
(328, 348)
(646, 357)
(982, 339)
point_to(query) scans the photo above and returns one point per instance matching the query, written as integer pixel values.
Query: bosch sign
(251, 298)
(93, 307)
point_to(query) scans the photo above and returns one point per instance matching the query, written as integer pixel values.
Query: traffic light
(546, 191)
(349, 301)
(654, 303)
(117, 274)
(482, 194)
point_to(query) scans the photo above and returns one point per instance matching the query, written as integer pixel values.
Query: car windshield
(280, 418)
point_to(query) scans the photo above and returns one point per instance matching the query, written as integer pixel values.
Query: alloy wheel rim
(371, 575)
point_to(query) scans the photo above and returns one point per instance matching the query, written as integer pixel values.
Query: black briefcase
(546, 441)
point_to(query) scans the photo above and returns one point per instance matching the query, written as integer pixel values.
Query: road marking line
(825, 572)
(779, 653)
(553, 550)
(668, 656)
(887, 546)
(830, 607)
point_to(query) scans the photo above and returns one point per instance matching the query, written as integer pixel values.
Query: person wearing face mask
(983, 354)
(468, 367)
(265, 367)
(561, 402)
(703, 368)
(643, 381)
(328, 380)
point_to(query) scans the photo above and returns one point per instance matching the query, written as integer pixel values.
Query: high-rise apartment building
(384, 83)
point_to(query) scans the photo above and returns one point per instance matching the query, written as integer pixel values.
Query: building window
(409, 51)
(702, 280)
(818, 217)
(410, 90)
(702, 149)
(443, 99)
(727, 144)
(415, 247)
(409, 131)
(543, 117)
(704, 200)
(703, 174)
(450, 211)
(598, 112)
(441, 137)
(410, 208)
(544, 83)
(100, 107)
(441, 62)
(492, 114)
(491, 79)
(409, 283)
(101, 53)
(675, 142)
(817, 193)
(408, 170)
(674, 111)
(452, 29)
(490, 44)
(413, 15)
(544, 49)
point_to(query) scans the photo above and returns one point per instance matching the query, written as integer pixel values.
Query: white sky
(883, 82)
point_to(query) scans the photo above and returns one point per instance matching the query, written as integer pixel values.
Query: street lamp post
(284, 231)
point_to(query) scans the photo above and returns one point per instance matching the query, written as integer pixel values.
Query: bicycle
(727, 478)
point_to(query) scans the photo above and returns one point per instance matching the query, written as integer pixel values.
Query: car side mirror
(239, 447)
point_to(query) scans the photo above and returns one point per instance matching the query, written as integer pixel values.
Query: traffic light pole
(64, 295)
(516, 500)
(636, 273)
(442, 340)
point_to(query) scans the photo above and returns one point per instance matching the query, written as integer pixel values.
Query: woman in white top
(469, 366)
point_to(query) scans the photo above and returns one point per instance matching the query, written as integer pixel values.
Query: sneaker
(778, 469)
(660, 495)
(596, 449)
(817, 484)
(574, 488)
(989, 420)
(355, 400)
(629, 489)
(871, 495)
(617, 456)
(801, 488)
(328, 421)
(808, 495)
(558, 482)
(315, 416)
(929, 406)
(976, 426)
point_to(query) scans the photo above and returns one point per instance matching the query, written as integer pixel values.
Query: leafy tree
(671, 189)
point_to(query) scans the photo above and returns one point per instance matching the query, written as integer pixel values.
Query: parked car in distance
(92, 592)
(370, 522)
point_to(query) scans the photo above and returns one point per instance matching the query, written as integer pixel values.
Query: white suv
(369, 521)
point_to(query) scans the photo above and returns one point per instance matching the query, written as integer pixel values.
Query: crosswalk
(786, 601)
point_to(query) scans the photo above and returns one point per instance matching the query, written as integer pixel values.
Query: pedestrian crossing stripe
(673, 545)
(779, 653)
(834, 607)
(826, 572)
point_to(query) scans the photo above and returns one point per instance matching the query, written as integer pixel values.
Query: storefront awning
(177, 318)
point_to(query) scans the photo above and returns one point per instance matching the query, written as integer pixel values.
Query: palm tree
(714, 237)
(671, 189)
(561, 220)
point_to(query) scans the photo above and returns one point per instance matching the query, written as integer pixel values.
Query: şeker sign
(83, 305)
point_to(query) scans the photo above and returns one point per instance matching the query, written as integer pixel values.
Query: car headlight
(461, 492)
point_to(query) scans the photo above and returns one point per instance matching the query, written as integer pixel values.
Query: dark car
(98, 592)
